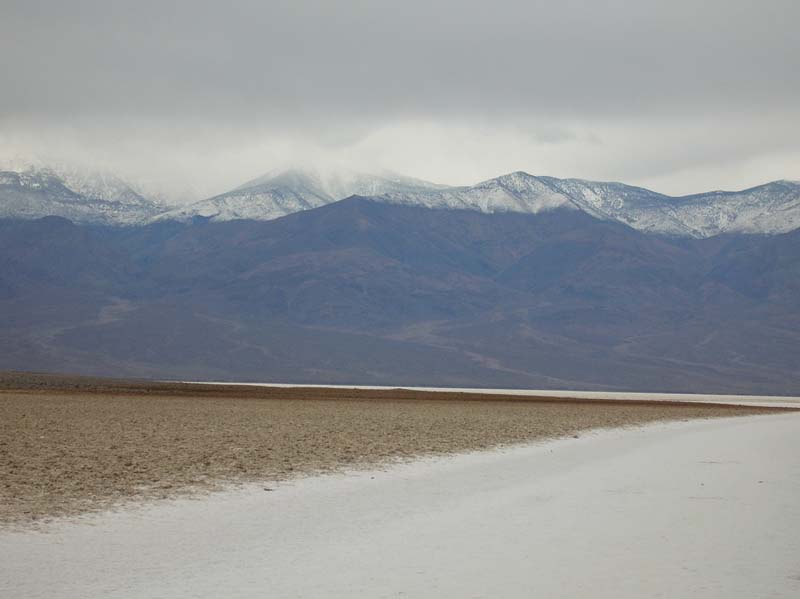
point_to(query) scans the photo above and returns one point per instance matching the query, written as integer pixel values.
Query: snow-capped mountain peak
(280, 193)
(767, 209)
(515, 192)
(85, 196)
(77, 194)
(99, 186)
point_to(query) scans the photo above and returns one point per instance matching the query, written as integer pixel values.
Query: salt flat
(700, 509)
(771, 401)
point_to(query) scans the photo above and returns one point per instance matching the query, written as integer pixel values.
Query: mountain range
(769, 209)
(80, 195)
(519, 281)
(286, 192)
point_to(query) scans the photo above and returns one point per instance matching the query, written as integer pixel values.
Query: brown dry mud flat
(70, 445)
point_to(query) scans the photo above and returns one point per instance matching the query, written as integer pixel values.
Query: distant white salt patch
(772, 401)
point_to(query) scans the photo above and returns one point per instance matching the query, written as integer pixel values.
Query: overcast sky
(676, 96)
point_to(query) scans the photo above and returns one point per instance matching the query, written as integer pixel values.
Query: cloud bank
(199, 96)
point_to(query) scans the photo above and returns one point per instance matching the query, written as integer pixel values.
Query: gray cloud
(210, 90)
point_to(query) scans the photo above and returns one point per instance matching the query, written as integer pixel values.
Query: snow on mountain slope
(341, 182)
(771, 209)
(79, 195)
(636, 207)
(768, 209)
(515, 192)
(276, 195)
(101, 186)
(89, 197)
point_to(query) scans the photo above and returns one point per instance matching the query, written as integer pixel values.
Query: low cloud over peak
(677, 96)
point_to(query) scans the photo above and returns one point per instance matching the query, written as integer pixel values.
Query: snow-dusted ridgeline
(88, 197)
(273, 196)
(79, 195)
(767, 209)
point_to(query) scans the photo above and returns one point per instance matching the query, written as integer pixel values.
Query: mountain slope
(361, 291)
(515, 192)
(276, 195)
(80, 196)
(768, 209)
(771, 208)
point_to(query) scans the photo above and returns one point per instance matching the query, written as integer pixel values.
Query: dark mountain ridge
(360, 291)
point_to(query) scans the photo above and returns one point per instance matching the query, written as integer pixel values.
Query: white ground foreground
(689, 509)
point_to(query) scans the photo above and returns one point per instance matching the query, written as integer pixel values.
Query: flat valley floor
(72, 445)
